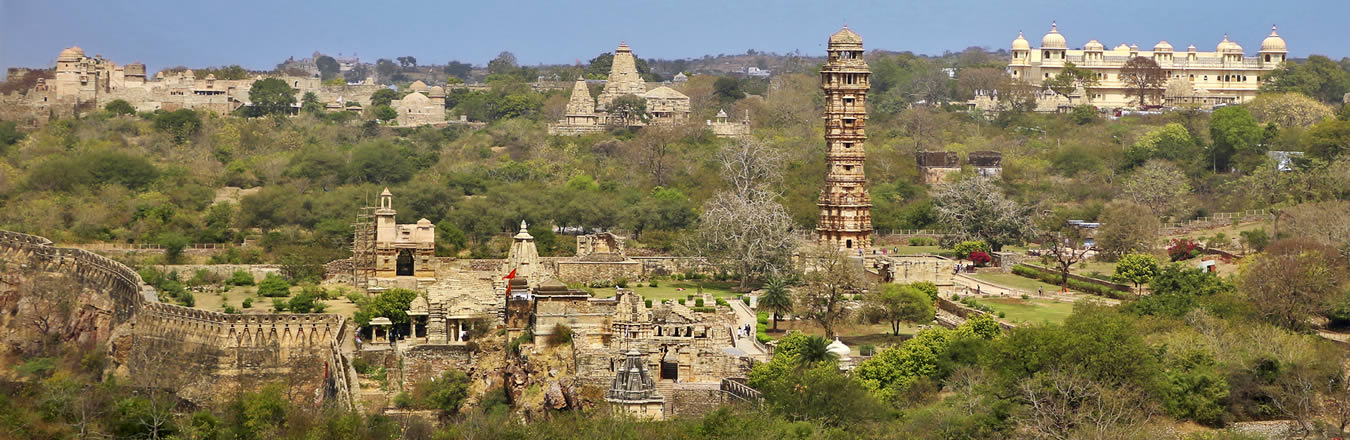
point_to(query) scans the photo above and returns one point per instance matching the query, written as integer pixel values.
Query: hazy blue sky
(259, 33)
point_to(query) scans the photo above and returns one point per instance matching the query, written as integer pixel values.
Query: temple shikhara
(845, 207)
(589, 115)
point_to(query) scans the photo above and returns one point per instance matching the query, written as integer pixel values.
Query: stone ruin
(935, 166)
(633, 391)
(586, 115)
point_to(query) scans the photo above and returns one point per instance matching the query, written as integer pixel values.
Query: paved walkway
(745, 316)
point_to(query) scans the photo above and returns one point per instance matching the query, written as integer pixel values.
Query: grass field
(1088, 267)
(1030, 311)
(1016, 282)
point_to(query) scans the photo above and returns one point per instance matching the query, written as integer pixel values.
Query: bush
(956, 297)
(721, 302)
(1079, 285)
(302, 303)
(229, 310)
(1025, 296)
(867, 350)
(649, 303)
(1000, 314)
(1180, 249)
(965, 248)
(705, 309)
(652, 284)
(698, 302)
(274, 286)
(120, 107)
(980, 258)
(562, 334)
(622, 283)
(278, 305)
(403, 400)
(762, 317)
(922, 241)
(681, 301)
(248, 303)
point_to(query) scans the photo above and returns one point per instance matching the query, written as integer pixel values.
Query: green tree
(446, 393)
(173, 243)
(384, 113)
(776, 299)
(182, 124)
(897, 304)
(1171, 142)
(629, 110)
(9, 134)
(274, 285)
(392, 304)
(1069, 79)
(1318, 77)
(503, 64)
(727, 89)
(458, 70)
(1328, 140)
(271, 96)
(309, 103)
(1136, 269)
(1235, 133)
(1084, 114)
(383, 96)
(1143, 78)
(328, 67)
(120, 107)
(1159, 185)
(1126, 227)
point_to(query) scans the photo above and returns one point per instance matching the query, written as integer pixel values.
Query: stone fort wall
(205, 355)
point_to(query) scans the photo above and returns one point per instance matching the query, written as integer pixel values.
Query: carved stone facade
(421, 107)
(402, 250)
(585, 115)
(724, 127)
(633, 391)
(935, 166)
(845, 206)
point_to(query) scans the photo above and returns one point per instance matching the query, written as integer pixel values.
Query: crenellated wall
(210, 354)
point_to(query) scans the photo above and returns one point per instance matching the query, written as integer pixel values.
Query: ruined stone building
(845, 206)
(94, 81)
(584, 115)
(633, 391)
(724, 127)
(936, 166)
(424, 106)
(386, 254)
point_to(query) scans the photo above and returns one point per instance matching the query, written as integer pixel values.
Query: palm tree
(816, 350)
(776, 299)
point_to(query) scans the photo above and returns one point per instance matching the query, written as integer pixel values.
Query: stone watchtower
(845, 207)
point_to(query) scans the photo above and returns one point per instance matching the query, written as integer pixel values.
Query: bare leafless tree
(49, 301)
(749, 166)
(831, 278)
(1063, 405)
(1143, 78)
(745, 229)
(1066, 246)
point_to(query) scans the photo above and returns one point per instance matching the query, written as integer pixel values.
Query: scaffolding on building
(363, 248)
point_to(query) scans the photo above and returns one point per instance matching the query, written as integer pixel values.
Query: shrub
(274, 286)
(1075, 284)
(203, 277)
(622, 283)
(302, 303)
(562, 334)
(229, 310)
(1000, 314)
(965, 248)
(120, 107)
(278, 305)
(1183, 249)
(922, 241)
(248, 303)
(1025, 296)
(649, 303)
(690, 296)
(681, 301)
(956, 297)
(652, 284)
(403, 400)
(698, 302)
(721, 302)
(980, 258)
(705, 309)
(762, 317)
(867, 350)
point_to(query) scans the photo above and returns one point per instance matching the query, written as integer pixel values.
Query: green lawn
(671, 290)
(1016, 282)
(1088, 267)
(1030, 311)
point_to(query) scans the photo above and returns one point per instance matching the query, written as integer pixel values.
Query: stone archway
(404, 265)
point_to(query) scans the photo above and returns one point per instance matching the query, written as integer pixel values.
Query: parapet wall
(200, 348)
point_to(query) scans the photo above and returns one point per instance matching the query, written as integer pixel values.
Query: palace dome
(71, 53)
(1227, 46)
(1273, 43)
(839, 349)
(1121, 48)
(1094, 45)
(436, 91)
(1053, 40)
(846, 36)
(1021, 42)
(1162, 46)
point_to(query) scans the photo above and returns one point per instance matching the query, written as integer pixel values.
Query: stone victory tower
(845, 207)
